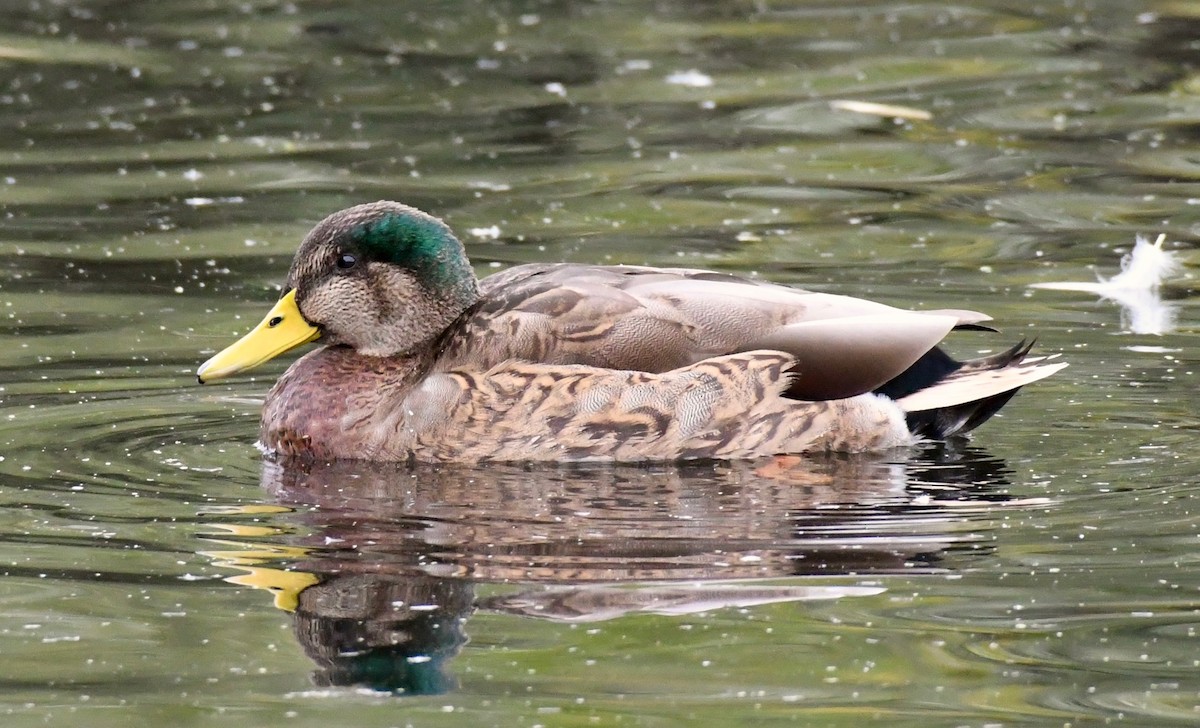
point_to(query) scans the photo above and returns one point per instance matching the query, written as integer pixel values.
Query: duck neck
(408, 327)
(444, 320)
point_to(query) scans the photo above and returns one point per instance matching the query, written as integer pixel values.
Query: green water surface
(160, 160)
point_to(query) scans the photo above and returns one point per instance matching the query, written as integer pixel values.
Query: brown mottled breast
(321, 407)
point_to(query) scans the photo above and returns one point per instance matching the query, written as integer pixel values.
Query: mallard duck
(422, 361)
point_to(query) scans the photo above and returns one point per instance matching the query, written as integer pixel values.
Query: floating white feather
(1136, 287)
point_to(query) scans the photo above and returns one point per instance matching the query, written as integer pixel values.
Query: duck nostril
(275, 322)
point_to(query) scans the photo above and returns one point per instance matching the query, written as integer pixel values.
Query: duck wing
(656, 320)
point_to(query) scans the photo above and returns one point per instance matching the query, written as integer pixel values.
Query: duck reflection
(394, 559)
(383, 631)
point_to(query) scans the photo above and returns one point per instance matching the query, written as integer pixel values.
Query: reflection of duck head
(393, 635)
(394, 554)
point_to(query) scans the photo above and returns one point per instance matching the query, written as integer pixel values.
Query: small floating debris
(691, 78)
(886, 110)
(206, 201)
(1136, 287)
(488, 185)
(485, 233)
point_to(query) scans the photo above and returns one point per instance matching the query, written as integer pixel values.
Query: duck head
(383, 278)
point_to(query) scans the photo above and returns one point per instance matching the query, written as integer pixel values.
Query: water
(161, 160)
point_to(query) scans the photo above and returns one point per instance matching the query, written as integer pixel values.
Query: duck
(421, 361)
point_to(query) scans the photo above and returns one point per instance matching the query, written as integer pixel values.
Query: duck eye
(346, 261)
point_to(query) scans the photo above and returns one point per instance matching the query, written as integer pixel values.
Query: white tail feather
(972, 386)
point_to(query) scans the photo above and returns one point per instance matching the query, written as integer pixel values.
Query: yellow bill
(283, 329)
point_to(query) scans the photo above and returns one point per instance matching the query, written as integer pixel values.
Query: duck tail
(942, 397)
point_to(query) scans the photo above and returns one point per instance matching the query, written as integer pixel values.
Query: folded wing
(655, 320)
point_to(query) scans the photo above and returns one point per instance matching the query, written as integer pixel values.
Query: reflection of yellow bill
(241, 509)
(284, 328)
(285, 585)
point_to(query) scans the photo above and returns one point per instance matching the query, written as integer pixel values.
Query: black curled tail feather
(935, 366)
